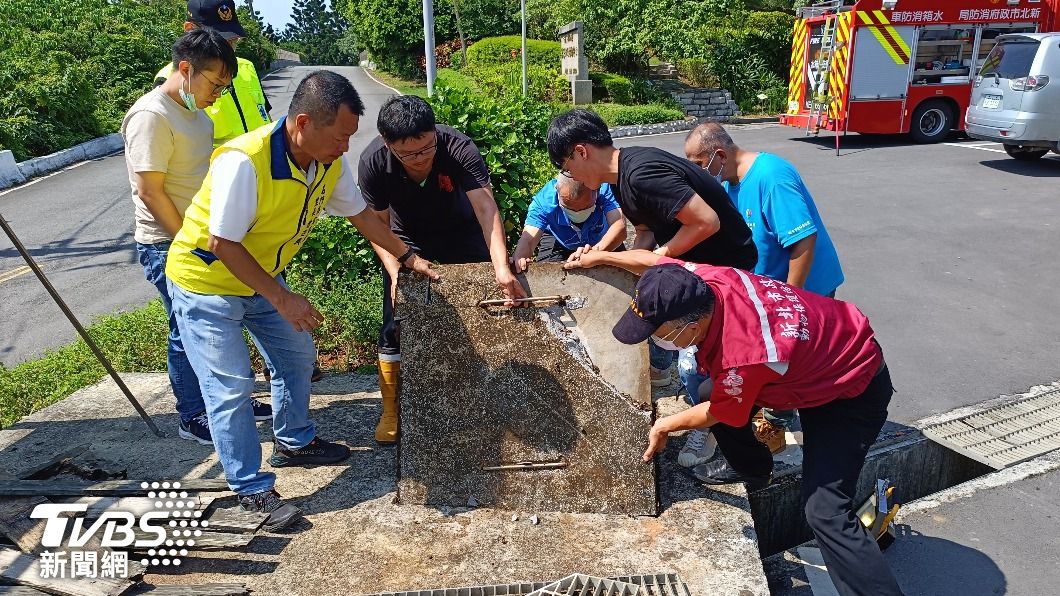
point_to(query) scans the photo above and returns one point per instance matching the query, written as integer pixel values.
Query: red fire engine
(897, 66)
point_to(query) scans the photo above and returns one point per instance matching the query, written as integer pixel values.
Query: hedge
(506, 48)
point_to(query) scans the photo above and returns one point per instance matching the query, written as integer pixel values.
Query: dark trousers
(836, 438)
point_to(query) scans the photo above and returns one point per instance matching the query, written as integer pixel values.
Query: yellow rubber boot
(389, 380)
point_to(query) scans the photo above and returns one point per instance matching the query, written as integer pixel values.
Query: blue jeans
(212, 328)
(181, 375)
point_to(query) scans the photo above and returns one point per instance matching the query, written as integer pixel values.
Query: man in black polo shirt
(430, 182)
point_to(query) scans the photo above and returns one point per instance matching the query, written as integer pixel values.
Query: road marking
(9, 275)
(968, 146)
(366, 71)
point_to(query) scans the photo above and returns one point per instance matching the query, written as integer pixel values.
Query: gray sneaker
(281, 514)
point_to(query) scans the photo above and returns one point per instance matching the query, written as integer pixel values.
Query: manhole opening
(915, 465)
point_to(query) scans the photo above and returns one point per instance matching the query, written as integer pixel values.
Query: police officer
(243, 106)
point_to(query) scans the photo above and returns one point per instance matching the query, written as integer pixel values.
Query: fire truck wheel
(1025, 153)
(932, 121)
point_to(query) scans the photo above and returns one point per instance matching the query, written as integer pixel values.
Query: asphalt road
(950, 249)
(78, 225)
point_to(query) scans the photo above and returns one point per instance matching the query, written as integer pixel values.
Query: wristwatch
(405, 257)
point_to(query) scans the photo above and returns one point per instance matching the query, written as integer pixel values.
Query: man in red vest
(768, 344)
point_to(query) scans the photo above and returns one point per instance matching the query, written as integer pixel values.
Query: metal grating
(1005, 435)
(587, 585)
(654, 584)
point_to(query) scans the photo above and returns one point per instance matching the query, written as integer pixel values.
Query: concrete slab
(356, 540)
(485, 388)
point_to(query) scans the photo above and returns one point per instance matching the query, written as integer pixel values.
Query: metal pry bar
(529, 299)
(528, 466)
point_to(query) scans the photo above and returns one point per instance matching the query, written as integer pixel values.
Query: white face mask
(707, 167)
(667, 343)
(579, 216)
(187, 96)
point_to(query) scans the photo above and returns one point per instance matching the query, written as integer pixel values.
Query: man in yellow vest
(243, 106)
(264, 192)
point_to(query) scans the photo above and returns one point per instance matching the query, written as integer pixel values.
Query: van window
(1011, 59)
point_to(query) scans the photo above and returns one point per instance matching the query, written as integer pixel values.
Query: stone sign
(574, 64)
(525, 409)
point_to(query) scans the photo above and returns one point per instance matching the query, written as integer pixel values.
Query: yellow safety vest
(239, 111)
(287, 209)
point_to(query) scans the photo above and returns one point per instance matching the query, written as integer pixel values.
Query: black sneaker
(717, 471)
(262, 412)
(197, 429)
(281, 514)
(317, 452)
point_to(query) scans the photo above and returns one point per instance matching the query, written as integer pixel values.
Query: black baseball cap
(219, 15)
(664, 293)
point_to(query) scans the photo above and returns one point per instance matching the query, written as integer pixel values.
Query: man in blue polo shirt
(566, 215)
(793, 244)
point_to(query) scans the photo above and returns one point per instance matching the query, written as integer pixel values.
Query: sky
(275, 12)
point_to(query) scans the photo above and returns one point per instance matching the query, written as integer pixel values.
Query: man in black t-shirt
(431, 184)
(678, 210)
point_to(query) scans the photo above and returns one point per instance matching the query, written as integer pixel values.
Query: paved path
(78, 225)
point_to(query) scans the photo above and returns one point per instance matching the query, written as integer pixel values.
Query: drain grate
(587, 585)
(653, 584)
(1005, 435)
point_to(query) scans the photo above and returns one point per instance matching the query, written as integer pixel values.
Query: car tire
(932, 122)
(1025, 153)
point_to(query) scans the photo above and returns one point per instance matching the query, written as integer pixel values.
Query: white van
(1016, 97)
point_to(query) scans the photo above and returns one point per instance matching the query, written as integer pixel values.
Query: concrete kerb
(47, 164)
(662, 128)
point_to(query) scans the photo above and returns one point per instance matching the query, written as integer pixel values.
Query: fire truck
(897, 66)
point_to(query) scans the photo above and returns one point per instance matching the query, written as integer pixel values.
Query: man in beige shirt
(168, 141)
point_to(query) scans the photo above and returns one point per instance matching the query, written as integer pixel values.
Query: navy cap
(664, 293)
(219, 15)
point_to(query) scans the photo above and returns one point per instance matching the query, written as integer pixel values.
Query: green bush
(543, 84)
(392, 31)
(72, 68)
(613, 87)
(353, 313)
(621, 115)
(335, 254)
(697, 73)
(510, 133)
(507, 48)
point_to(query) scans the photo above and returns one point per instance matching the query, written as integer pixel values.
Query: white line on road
(9, 275)
(380, 82)
(968, 146)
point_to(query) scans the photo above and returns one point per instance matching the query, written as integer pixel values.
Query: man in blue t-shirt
(564, 216)
(793, 244)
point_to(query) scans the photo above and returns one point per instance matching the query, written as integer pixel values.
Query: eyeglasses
(564, 171)
(410, 156)
(218, 89)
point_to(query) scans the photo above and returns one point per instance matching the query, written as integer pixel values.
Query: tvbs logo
(117, 529)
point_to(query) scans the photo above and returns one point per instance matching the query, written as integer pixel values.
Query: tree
(314, 33)
(255, 47)
(392, 31)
